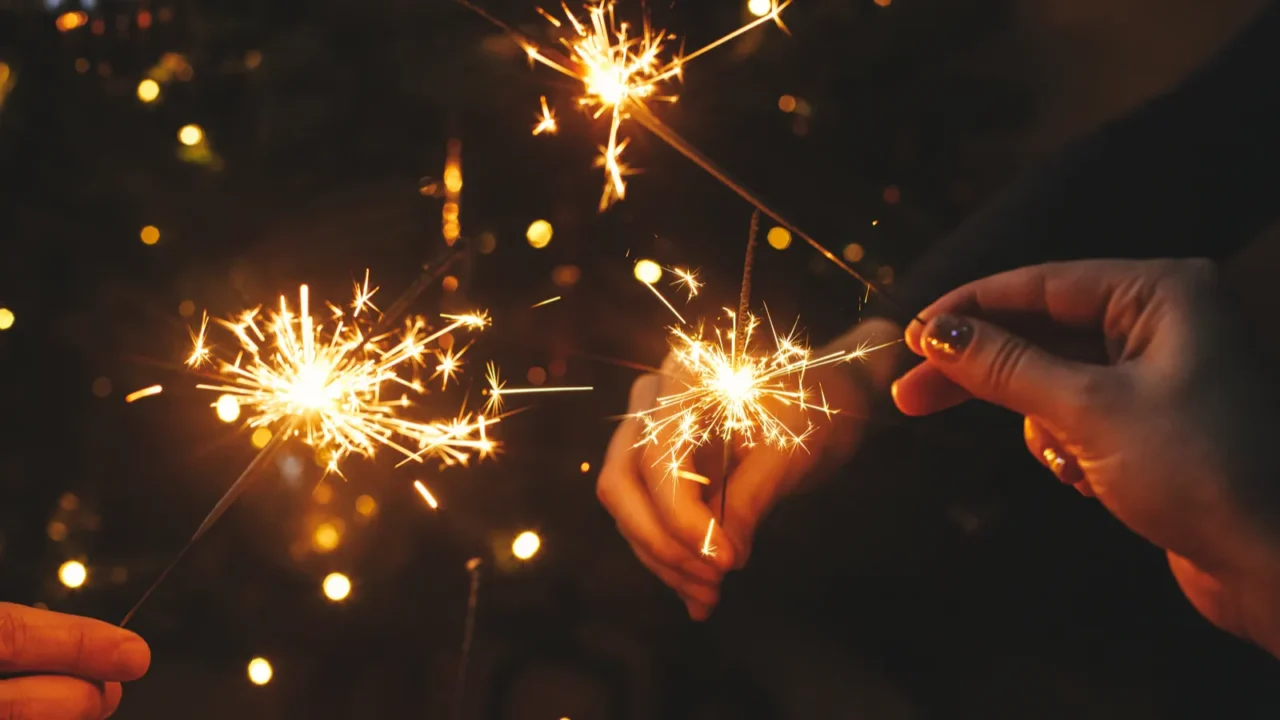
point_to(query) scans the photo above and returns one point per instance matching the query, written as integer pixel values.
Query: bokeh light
(190, 135)
(102, 387)
(585, 467)
(186, 308)
(260, 671)
(787, 103)
(526, 545)
(57, 531)
(759, 8)
(260, 438)
(326, 538)
(150, 235)
(337, 586)
(366, 505)
(853, 252)
(648, 272)
(487, 243)
(884, 3)
(228, 408)
(148, 90)
(539, 233)
(73, 573)
(6, 318)
(779, 238)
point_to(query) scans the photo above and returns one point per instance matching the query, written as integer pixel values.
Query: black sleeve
(1195, 172)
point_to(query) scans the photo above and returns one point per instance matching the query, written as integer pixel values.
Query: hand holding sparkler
(717, 398)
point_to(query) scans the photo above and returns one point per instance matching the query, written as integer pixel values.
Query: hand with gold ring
(1136, 391)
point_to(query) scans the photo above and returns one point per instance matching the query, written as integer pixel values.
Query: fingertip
(912, 335)
(132, 658)
(111, 694)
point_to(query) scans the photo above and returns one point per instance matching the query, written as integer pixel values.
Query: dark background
(942, 576)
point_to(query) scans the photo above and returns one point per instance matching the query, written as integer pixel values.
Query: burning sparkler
(621, 74)
(733, 393)
(338, 379)
(619, 70)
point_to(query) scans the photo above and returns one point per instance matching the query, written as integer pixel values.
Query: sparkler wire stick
(468, 631)
(740, 342)
(430, 274)
(665, 133)
(228, 498)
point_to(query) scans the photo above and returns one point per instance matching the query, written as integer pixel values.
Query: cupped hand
(665, 518)
(63, 667)
(1136, 391)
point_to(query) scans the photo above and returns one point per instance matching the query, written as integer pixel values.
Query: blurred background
(162, 158)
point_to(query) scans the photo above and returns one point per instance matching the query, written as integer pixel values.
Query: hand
(68, 667)
(666, 520)
(1136, 393)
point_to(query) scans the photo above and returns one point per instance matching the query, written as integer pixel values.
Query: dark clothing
(1195, 172)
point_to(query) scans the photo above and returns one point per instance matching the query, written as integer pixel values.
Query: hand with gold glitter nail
(1138, 391)
(667, 522)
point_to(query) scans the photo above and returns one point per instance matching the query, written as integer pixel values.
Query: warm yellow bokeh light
(337, 586)
(883, 3)
(228, 408)
(539, 233)
(366, 505)
(73, 574)
(150, 235)
(526, 545)
(260, 671)
(648, 272)
(326, 537)
(585, 467)
(190, 135)
(787, 103)
(853, 252)
(260, 438)
(148, 90)
(6, 318)
(759, 8)
(779, 238)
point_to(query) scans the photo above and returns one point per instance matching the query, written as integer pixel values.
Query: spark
(620, 70)
(548, 301)
(143, 393)
(199, 351)
(498, 390)
(734, 393)
(709, 550)
(342, 384)
(546, 123)
(426, 494)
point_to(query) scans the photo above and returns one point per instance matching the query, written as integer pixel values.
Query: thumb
(1007, 370)
(761, 479)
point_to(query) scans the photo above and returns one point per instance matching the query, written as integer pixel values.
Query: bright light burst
(619, 68)
(336, 382)
(734, 393)
(498, 389)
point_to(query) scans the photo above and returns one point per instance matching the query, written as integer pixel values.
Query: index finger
(41, 641)
(1076, 294)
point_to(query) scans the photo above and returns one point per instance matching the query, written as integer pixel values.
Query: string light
(227, 408)
(190, 135)
(260, 671)
(73, 574)
(648, 272)
(148, 90)
(336, 586)
(526, 545)
(539, 234)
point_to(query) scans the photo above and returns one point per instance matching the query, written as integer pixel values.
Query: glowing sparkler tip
(143, 393)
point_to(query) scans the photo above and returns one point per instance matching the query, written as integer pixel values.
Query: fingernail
(133, 657)
(947, 336)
